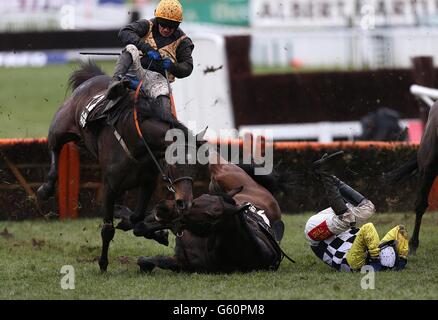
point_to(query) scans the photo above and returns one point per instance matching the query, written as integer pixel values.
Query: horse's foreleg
(151, 229)
(147, 264)
(144, 195)
(421, 205)
(107, 232)
(48, 189)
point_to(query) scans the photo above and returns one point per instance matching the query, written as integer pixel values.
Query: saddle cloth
(100, 108)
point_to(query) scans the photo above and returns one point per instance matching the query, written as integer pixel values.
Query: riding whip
(100, 53)
(104, 54)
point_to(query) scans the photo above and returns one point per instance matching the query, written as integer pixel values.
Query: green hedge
(362, 167)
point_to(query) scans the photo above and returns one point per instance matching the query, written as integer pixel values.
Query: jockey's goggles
(167, 23)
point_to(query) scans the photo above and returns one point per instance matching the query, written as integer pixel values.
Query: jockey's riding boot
(163, 109)
(333, 195)
(164, 102)
(321, 164)
(348, 193)
(118, 84)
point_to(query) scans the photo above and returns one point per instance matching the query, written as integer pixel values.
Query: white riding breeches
(154, 84)
(326, 223)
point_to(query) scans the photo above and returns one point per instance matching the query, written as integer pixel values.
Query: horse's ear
(237, 209)
(234, 191)
(200, 135)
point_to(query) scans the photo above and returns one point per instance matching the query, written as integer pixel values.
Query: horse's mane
(87, 70)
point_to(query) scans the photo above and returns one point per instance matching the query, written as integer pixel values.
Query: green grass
(31, 260)
(29, 97)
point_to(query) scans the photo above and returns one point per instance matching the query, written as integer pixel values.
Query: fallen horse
(235, 228)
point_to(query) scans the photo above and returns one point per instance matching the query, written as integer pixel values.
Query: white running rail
(428, 95)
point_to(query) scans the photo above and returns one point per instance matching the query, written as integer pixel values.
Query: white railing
(320, 131)
(428, 95)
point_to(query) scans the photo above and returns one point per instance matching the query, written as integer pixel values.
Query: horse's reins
(165, 177)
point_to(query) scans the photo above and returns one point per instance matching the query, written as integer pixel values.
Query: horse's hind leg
(421, 205)
(147, 264)
(61, 131)
(48, 189)
(108, 230)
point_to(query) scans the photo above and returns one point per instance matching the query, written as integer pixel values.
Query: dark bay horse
(225, 176)
(424, 162)
(234, 229)
(121, 169)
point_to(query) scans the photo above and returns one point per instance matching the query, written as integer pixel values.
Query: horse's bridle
(171, 183)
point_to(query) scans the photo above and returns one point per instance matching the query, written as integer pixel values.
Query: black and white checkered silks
(333, 251)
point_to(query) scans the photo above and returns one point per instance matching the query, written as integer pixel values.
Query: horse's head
(181, 167)
(180, 183)
(206, 212)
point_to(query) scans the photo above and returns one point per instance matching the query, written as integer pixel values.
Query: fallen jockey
(335, 239)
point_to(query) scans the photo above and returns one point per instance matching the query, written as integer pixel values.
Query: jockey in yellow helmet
(153, 47)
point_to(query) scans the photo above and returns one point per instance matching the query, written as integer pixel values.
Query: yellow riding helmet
(169, 10)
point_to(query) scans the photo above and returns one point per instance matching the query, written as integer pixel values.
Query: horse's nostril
(180, 204)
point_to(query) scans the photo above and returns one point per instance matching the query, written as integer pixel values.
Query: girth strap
(123, 144)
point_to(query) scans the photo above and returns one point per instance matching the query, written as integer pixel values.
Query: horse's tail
(410, 168)
(87, 70)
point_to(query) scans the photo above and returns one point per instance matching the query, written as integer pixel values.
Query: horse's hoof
(145, 265)
(44, 192)
(412, 250)
(141, 230)
(124, 225)
(278, 227)
(103, 266)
